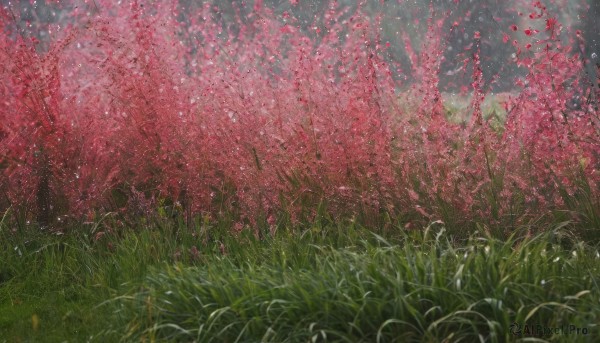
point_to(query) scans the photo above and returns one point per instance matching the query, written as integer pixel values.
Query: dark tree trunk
(591, 28)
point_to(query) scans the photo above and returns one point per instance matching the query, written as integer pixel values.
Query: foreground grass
(325, 283)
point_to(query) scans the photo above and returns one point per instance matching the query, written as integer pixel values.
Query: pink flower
(551, 23)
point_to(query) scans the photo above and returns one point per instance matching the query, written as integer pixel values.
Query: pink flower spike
(550, 23)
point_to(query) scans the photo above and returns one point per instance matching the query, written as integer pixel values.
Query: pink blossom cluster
(128, 104)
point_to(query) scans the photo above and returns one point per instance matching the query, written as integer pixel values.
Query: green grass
(321, 282)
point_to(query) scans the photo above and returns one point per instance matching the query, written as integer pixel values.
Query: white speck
(594, 55)
(232, 116)
(556, 259)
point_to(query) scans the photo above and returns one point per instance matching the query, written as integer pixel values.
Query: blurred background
(400, 24)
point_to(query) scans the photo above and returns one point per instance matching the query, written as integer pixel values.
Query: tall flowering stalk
(254, 114)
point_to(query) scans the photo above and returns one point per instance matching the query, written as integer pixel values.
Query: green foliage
(325, 281)
(423, 288)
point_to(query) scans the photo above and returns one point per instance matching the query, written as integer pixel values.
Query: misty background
(400, 21)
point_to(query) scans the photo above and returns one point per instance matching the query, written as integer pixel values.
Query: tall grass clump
(424, 289)
(105, 281)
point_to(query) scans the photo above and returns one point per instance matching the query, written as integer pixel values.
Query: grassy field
(281, 172)
(323, 282)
